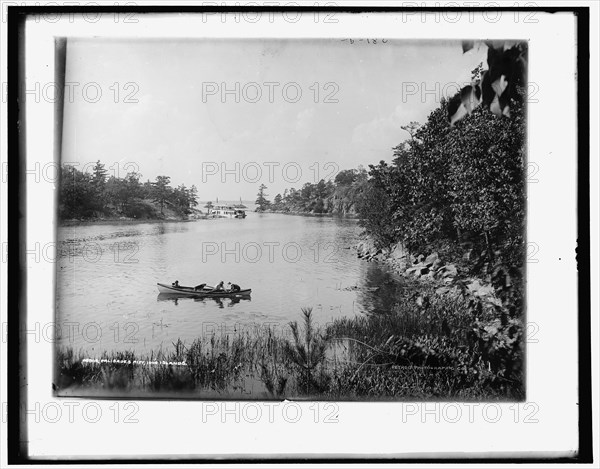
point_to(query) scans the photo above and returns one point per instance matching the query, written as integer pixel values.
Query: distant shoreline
(310, 214)
(127, 221)
(132, 221)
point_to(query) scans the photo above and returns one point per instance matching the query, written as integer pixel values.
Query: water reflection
(160, 229)
(380, 288)
(171, 227)
(220, 302)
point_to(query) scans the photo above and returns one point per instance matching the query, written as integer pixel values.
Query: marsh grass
(215, 363)
(429, 347)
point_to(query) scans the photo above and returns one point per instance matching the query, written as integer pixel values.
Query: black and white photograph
(278, 214)
(288, 221)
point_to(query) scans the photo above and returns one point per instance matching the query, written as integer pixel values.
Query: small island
(97, 196)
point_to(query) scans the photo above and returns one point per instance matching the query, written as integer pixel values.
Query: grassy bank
(444, 347)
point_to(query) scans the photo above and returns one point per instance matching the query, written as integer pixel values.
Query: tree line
(94, 194)
(337, 196)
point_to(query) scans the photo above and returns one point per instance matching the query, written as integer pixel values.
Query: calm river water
(107, 299)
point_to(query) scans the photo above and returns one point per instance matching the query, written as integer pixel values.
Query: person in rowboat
(175, 284)
(233, 287)
(219, 286)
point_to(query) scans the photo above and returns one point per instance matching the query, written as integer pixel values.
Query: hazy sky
(184, 127)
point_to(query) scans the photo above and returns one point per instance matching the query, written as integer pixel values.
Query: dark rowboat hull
(206, 292)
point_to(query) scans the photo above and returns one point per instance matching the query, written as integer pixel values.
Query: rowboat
(205, 292)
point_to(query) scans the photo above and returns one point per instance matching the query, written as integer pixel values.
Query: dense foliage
(460, 186)
(337, 196)
(95, 195)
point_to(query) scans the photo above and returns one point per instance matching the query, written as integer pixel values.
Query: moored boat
(228, 211)
(165, 289)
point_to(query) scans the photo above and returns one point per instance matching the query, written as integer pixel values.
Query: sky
(230, 114)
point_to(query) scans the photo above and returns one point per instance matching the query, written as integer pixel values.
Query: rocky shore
(446, 276)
